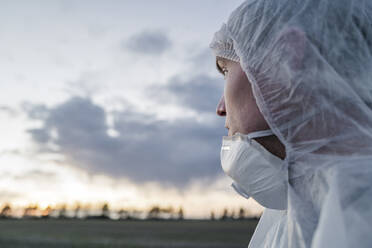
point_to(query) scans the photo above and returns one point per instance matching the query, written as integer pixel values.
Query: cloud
(35, 111)
(151, 42)
(200, 93)
(202, 62)
(11, 151)
(8, 110)
(146, 149)
(36, 176)
(39, 135)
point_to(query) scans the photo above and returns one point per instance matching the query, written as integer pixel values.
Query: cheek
(237, 92)
(241, 105)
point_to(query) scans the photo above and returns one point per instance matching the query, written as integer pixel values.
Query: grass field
(131, 234)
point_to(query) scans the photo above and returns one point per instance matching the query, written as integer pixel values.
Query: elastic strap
(259, 134)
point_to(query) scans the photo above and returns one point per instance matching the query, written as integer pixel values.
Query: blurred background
(107, 108)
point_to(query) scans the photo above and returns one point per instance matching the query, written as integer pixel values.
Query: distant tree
(225, 214)
(6, 211)
(46, 212)
(106, 210)
(30, 211)
(154, 213)
(212, 216)
(63, 211)
(123, 214)
(241, 213)
(180, 214)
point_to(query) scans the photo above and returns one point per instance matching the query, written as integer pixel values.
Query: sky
(113, 101)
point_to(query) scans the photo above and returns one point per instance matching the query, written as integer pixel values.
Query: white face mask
(256, 172)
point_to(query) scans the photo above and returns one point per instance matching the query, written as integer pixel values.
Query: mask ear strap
(260, 134)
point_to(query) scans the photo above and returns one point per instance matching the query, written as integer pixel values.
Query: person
(298, 107)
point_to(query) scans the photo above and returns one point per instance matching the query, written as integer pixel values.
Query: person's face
(240, 109)
(237, 103)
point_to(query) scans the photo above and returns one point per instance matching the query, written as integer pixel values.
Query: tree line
(105, 212)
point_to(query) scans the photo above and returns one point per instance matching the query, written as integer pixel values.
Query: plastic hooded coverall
(309, 63)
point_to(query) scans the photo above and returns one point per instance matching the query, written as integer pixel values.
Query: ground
(129, 234)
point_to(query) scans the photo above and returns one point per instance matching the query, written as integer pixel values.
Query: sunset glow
(112, 102)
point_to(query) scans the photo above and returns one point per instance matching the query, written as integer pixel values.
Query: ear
(292, 41)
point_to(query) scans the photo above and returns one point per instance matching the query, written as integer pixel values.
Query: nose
(221, 108)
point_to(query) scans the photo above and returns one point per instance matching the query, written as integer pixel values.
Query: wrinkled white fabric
(256, 172)
(223, 45)
(310, 66)
(271, 229)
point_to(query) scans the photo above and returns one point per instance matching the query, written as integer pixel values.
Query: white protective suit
(309, 63)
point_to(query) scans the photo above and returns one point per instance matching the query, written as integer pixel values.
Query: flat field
(56, 233)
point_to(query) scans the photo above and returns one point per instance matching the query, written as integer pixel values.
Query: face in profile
(239, 107)
(237, 103)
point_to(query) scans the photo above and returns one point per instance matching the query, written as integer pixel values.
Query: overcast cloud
(200, 93)
(145, 150)
(116, 89)
(148, 42)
